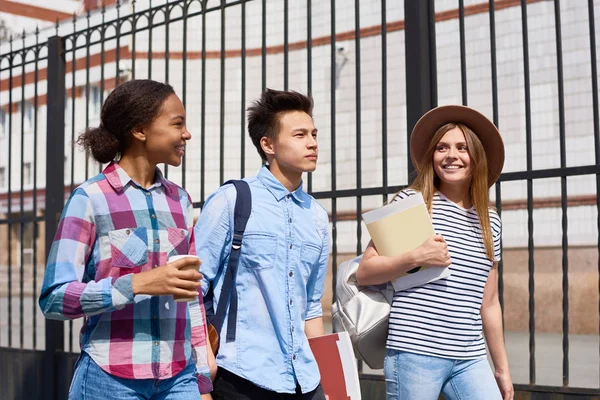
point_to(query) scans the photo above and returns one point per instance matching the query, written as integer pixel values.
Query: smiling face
(166, 136)
(452, 160)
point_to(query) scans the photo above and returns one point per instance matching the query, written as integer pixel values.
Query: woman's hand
(179, 278)
(505, 385)
(433, 253)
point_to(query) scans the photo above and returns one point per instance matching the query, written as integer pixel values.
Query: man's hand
(180, 278)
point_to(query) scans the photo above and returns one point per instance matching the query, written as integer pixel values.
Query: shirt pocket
(177, 242)
(128, 247)
(259, 250)
(310, 254)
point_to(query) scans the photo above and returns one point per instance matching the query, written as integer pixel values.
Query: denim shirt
(280, 280)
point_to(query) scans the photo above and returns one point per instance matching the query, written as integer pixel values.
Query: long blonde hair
(427, 182)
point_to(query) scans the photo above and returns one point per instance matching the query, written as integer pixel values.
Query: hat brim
(485, 130)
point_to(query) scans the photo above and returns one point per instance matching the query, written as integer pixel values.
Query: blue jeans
(410, 376)
(90, 382)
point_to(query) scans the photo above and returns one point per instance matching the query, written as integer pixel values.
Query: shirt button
(291, 245)
(156, 241)
(155, 317)
(291, 274)
(156, 343)
(292, 329)
(294, 357)
(288, 196)
(290, 220)
(127, 232)
(153, 216)
(291, 301)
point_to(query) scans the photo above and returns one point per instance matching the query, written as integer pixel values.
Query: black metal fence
(71, 71)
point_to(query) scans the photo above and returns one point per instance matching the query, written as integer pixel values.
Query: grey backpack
(363, 312)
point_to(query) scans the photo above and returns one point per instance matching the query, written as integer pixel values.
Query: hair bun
(103, 145)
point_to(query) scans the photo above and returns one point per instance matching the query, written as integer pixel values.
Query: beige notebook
(401, 226)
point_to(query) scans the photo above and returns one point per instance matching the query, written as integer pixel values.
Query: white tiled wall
(510, 83)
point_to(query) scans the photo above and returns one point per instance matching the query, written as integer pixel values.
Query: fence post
(421, 75)
(55, 195)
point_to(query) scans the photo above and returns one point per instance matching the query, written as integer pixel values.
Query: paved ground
(584, 349)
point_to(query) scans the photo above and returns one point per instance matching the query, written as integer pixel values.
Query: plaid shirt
(110, 229)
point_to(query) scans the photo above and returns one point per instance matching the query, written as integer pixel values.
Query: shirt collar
(118, 178)
(277, 189)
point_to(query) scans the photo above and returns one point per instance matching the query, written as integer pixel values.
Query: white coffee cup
(179, 257)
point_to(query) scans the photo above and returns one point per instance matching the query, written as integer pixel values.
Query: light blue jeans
(90, 382)
(410, 376)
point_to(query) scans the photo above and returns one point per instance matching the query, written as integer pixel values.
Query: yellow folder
(401, 226)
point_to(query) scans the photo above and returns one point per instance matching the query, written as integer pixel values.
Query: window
(28, 116)
(95, 102)
(3, 122)
(27, 173)
(2, 177)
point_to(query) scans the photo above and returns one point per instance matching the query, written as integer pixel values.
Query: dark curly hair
(264, 114)
(134, 104)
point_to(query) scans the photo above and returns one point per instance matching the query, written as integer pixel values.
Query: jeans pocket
(76, 390)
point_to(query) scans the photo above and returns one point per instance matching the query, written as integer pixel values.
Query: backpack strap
(228, 297)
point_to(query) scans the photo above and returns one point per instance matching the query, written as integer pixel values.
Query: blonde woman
(436, 332)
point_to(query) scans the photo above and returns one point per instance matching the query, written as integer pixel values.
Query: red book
(337, 365)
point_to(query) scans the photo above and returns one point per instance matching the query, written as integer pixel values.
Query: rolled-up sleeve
(316, 282)
(64, 293)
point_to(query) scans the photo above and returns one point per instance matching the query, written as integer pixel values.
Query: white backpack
(363, 312)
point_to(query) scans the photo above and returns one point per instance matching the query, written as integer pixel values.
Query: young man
(283, 261)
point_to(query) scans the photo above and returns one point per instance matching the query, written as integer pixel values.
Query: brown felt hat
(485, 130)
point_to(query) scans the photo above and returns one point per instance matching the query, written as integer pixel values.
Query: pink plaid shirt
(110, 229)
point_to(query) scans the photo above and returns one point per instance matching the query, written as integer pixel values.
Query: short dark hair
(264, 114)
(132, 105)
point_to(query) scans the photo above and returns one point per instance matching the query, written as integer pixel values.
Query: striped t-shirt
(442, 318)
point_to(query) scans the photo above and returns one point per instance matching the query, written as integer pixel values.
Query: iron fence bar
(531, 261)
(134, 29)
(34, 214)
(333, 154)
(421, 80)
(88, 36)
(55, 144)
(21, 200)
(563, 193)
(243, 97)
(286, 55)
(10, 120)
(358, 135)
(494, 72)
(263, 53)
(384, 128)
(24, 219)
(309, 67)
(184, 84)
(98, 107)
(118, 45)
(150, 26)
(167, 55)
(500, 263)
(463, 56)
(594, 73)
(358, 122)
(203, 107)
(12, 66)
(222, 100)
